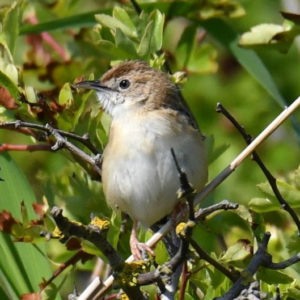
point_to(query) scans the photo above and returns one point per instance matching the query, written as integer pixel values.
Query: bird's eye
(124, 84)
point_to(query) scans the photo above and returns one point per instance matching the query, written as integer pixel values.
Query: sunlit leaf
(157, 34)
(220, 8)
(6, 82)
(114, 23)
(65, 96)
(123, 42)
(277, 36)
(121, 14)
(261, 205)
(144, 46)
(11, 25)
(289, 192)
(236, 252)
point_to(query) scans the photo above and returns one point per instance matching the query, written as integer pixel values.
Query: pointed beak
(91, 85)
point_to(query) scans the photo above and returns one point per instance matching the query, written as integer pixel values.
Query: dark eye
(124, 84)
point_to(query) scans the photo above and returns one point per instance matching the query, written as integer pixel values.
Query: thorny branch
(271, 179)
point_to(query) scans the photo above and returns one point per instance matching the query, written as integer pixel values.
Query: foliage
(45, 46)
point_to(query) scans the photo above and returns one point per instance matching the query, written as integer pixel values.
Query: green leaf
(114, 23)
(11, 25)
(236, 252)
(22, 266)
(121, 15)
(157, 34)
(262, 205)
(273, 276)
(202, 59)
(293, 293)
(124, 43)
(290, 193)
(276, 36)
(77, 21)
(144, 46)
(6, 82)
(65, 95)
(217, 9)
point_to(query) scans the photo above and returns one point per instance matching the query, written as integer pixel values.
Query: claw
(138, 248)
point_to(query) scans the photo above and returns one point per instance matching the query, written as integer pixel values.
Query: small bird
(149, 118)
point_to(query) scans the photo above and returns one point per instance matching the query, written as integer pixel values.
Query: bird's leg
(136, 246)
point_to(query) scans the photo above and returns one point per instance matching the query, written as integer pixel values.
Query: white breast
(139, 174)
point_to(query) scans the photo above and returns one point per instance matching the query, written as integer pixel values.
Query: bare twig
(204, 255)
(184, 279)
(16, 125)
(284, 264)
(30, 148)
(78, 256)
(271, 179)
(202, 213)
(136, 6)
(62, 142)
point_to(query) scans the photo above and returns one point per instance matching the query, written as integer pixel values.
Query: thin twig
(62, 142)
(284, 264)
(202, 213)
(15, 125)
(271, 179)
(80, 255)
(136, 6)
(30, 148)
(204, 255)
(184, 279)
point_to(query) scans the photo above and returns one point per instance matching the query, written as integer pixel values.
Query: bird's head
(130, 86)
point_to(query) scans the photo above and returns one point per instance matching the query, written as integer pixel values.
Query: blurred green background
(43, 72)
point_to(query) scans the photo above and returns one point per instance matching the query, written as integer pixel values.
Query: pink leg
(136, 246)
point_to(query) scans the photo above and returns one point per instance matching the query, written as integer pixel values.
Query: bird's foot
(138, 249)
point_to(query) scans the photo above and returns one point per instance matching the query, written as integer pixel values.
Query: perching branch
(60, 142)
(271, 179)
(92, 233)
(18, 125)
(97, 236)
